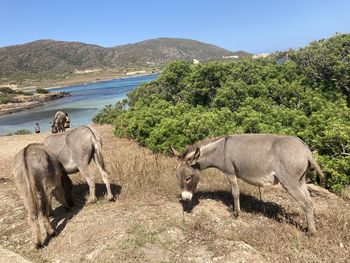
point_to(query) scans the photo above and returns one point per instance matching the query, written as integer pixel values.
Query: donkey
(258, 159)
(58, 123)
(38, 176)
(75, 150)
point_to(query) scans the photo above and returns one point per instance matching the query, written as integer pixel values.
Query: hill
(165, 50)
(146, 222)
(56, 59)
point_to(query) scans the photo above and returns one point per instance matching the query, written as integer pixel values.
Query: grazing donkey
(258, 159)
(59, 121)
(39, 175)
(75, 150)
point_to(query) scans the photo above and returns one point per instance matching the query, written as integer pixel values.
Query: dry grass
(146, 222)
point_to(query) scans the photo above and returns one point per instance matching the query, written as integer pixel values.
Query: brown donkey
(59, 122)
(38, 176)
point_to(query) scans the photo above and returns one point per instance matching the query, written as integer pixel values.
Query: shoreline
(9, 108)
(97, 80)
(13, 107)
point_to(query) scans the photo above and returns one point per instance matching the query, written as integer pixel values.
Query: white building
(233, 56)
(195, 61)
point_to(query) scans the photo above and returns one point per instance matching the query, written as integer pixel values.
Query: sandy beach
(77, 79)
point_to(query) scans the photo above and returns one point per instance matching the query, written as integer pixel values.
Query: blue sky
(254, 26)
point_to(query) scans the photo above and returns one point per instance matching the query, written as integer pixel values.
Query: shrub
(7, 98)
(7, 90)
(42, 91)
(191, 102)
(22, 132)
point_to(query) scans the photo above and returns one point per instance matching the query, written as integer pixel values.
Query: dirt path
(146, 223)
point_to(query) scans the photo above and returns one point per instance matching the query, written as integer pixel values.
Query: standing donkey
(75, 150)
(59, 121)
(258, 159)
(38, 176)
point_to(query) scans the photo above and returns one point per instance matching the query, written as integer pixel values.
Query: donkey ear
(175, 153)
(195, 156)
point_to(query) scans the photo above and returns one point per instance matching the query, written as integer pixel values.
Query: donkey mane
(201, 143)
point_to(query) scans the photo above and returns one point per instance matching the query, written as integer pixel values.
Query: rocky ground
(146, 223)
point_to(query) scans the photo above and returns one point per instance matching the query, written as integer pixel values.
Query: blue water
(84, 103)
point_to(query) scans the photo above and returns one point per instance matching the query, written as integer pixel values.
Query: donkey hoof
(38, 245)
(110, 198)
(311, 233)
(235, 214)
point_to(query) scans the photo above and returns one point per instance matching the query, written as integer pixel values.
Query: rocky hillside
(164, 50)
(49, 58)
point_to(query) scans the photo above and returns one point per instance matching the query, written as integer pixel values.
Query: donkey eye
(188, 179)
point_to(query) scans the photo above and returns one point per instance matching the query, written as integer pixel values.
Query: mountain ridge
(46, 57)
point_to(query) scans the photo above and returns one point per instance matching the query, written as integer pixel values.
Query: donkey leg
(306, 203)
(235, 192)
(47, 224)
(51, 213)
(46, 206)
(101, 166)
(33, 222)
(104, 175)
(85, 171)
(310, 217)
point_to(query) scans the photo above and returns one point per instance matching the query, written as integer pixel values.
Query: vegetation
(22, 132)
(42, 91)
(8, 95)
(300, 92)
(7, 98)
(6, 90)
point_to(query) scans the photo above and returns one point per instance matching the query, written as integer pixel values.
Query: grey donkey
(258, 159)
(75, 150)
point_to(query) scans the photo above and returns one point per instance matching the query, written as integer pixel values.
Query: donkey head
(64, 195)
(187, 173)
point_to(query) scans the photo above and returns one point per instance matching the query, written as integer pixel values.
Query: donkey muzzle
(186, 196)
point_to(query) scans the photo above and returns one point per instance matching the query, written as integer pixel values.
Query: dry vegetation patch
(146, 223)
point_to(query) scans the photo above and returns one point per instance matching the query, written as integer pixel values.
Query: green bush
(7, 97)
(22, 132)
(278, 95)
(7, 90)
(42, 91)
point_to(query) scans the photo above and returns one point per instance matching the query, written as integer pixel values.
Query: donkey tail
(318, 170)
(27, 186)
(97, 142)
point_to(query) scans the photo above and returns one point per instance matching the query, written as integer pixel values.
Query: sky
(253, 26)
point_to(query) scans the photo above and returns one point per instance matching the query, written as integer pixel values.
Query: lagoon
(85, 102)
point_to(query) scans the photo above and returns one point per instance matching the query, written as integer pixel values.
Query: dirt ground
(146, 222)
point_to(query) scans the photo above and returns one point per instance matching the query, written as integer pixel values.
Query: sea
(84, 102)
